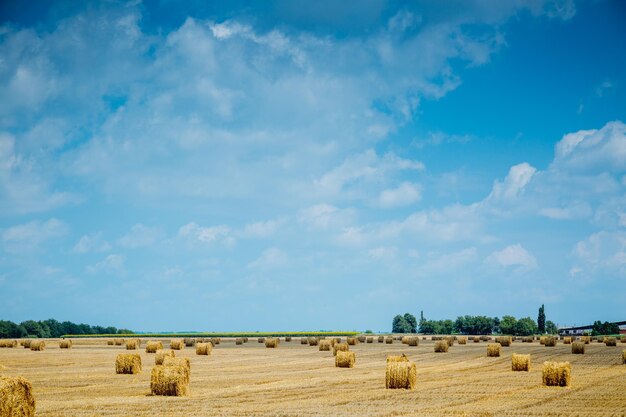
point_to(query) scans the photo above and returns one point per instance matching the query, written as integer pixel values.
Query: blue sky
(291, 165)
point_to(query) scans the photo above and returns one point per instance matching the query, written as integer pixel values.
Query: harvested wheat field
(301, 380)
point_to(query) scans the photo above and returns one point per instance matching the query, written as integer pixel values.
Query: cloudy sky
(294, 165)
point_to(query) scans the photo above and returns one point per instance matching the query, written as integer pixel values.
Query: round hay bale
(504, 341)
(16, 397)
(441, 346)
(352, 341)
(623, 339)
(8, 343)
(557, 374)
(110, 342)
(118, 342)
(450, 340)
(216, 341)
(345, 359)
(304, 340)
(239, 341)
(567, 340)
(585, 339)
(389, 340)
(397, 358)
(381, 339)
(261, 340)
(128, 363)
(160, 356)
(520, 362)
(313, 341)
(462, 340)
(340, 347)
(476, 339)
(401, 375)
(549, 341)
(38, 345)
(189, 342)
(26, 343)
(271, 342)
(361, 339)
(527, 339)
(413, 341)
(132, 344)
(610, 341)
(65, 344)
(493, 350)
(337, 339)
(370, 339)
(325, 345)
(287, 338)
(204, 348)
(405, 340)
(578, 348)
(177, 344)
(169, 380)
(153, 346)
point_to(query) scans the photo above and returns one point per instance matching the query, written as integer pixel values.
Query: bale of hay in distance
(476, 339)
(401, 375)
(160, 356)
(345, 359)
(239, 341)
(405, 340)
(610, 341)
(313, 341)
(550, 341)
(623, 357)
(352, 341)
(336, 340)
(397, 358)
(340, 347)
(462, 340)
(261, 340)
(65, 344)
(381, 339)
(520, 362)
(110, 342)
(504, 341)
(245, 339)
(8, 343)
(304, 341)
(177, 344)
(567, 340)
(189, 342)
(542, 340)
(325, 345)
(118, 342)
(271, 342)
(361, 339)
(493, 350)
(623, 339)
(389, 340)
(216, 341)
(413, 341)
(441, 346)
(25, 343)
(128, 363)
(16, 397)
(527, 339)
(578, 348)
(132, 344)
(152, 347)
(287, 338)
(450, 340)
(169, 380)
(557, 374)
(204, 348)
(38, 345)
(370, 339)
(585, 339)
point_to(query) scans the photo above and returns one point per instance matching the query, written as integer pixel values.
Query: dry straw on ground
(610, 341)
(132, 344)
(271, 342)
(401, 375)
(493, 350)
(520, 362)
(578, 348)
(128, 363)
(37, 345)
(550, 341)
(160, 356)
(557, 374)
(204, 348)
(340, 347)
(177, 344)
(441, 346)
(152, 347)
(16, 397)
(345, 359)
(65, 344)
(397, 358)
(462, 340)
(169, 380)
(325, 345)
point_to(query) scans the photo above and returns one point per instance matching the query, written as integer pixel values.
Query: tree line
(52, 328)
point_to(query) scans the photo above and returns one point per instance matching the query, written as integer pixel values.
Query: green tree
(551, 327)
(525, 327)
(541, 320)
(507, 325)
(33, 328)
(411, 321)
(399, 325)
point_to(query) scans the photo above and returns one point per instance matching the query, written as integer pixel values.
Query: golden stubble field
(299, 380)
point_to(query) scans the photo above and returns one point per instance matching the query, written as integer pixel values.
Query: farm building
(579, 330)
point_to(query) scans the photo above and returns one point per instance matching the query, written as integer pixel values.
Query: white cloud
(383, 252)
(270, 258)
(29, 236)
(512, 256)
(325, 216)
(113, 263)
(404, 195)
(514, 184)
(140, 235)
(91, 243)
(260, 229)
(604, 250)
(212, 234)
